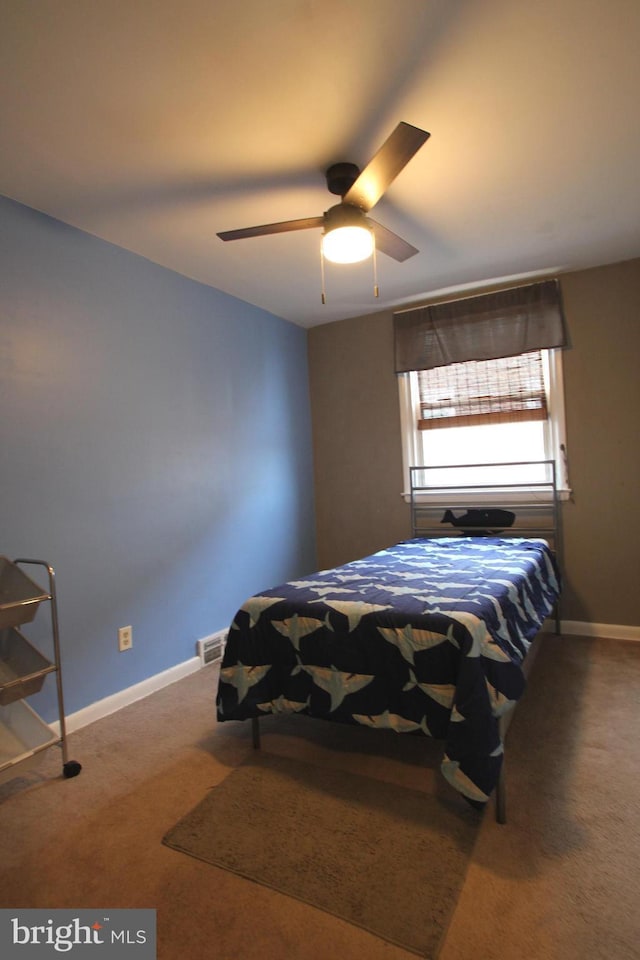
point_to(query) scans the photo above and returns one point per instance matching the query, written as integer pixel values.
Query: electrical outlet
(125, 638)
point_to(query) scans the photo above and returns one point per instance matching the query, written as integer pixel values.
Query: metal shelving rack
(23, 670)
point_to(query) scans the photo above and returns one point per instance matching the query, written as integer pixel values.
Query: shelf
(20, 597)
(23, 670)
(23, 734)
(22, 667)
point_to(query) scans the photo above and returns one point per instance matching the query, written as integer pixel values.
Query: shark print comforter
(426, 637)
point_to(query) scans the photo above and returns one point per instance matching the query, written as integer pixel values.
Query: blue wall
(155, 448)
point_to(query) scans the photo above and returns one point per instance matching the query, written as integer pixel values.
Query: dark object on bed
(427, 637)
(492, 521)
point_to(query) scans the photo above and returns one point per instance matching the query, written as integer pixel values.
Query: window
(490, 411)
(481, 382)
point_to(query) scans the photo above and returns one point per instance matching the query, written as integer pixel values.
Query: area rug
(386, 858)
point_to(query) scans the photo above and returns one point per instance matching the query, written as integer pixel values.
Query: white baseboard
(103, 708)
(608, 631)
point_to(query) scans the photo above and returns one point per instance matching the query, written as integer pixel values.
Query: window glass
(487, 442)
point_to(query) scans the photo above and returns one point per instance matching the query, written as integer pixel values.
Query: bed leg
(501, 796)
(255, 732)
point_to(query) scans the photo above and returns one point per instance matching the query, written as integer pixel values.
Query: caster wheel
(71, 768)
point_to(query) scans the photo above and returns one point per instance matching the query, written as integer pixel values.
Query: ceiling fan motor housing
(345, 215)
(341, 177)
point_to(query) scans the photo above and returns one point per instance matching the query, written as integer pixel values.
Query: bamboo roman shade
(504, 390)
(493, 325)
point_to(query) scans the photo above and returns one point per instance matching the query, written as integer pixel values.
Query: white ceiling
(154, 125)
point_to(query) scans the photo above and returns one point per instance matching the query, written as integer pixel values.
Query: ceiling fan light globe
(350, 244)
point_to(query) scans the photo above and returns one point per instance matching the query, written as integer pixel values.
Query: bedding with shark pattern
(425, 637)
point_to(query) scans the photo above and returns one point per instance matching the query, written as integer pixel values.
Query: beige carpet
(387, 858)
(561, 881)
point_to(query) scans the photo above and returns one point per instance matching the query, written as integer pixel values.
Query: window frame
(555, 441)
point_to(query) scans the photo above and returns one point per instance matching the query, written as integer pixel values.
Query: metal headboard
(535, 504)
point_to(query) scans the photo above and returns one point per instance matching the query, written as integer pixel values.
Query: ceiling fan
(359, 191)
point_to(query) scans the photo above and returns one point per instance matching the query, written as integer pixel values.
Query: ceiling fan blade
(384, 167)
(391, 244)
(265, 229)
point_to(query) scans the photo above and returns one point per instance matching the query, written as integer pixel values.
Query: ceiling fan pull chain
(376, 291)
(322, 294)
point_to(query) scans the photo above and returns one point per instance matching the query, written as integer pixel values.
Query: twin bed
(427, 637)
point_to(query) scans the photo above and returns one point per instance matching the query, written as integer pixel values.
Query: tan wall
(358, 458)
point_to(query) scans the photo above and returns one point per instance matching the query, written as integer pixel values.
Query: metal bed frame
(537, 501)
(537, 514)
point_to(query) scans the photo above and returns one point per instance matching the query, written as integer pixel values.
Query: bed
(428, 637)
